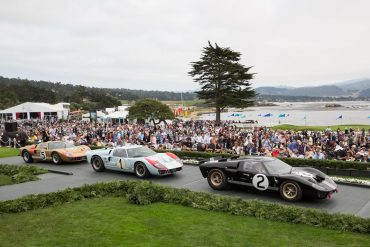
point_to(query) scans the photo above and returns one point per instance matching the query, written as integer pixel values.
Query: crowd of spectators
(343, 144)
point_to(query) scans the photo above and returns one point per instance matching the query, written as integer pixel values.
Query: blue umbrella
(282, 115)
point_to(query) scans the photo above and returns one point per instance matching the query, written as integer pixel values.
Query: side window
(254, 167)
(41, 146)
(120, 152)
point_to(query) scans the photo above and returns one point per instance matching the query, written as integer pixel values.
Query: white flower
(351, 180)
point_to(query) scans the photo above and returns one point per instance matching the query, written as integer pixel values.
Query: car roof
(257, 158)
(128, 147)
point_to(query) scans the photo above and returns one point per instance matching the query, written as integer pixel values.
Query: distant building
(31, 110)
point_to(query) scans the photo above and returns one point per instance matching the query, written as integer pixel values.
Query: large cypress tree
(224, 81)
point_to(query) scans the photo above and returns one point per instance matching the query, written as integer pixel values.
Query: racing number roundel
(43, 155)
(260, 182)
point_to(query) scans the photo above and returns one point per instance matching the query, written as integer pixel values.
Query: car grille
(170, 171)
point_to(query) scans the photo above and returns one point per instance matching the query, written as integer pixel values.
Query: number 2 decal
(260, 182)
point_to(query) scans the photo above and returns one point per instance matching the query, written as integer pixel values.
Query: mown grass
(111, 221)
(8, 152)
(320, 128)
(12, 174)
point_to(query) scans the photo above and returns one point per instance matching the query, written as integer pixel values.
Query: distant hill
(358, 84)
(355, 89)
(15, 90)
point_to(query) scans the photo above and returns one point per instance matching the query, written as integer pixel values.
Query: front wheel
(141, 170)
(290, 191)
(56, 158)
(217, 179)
(27, 157)
(97, 164)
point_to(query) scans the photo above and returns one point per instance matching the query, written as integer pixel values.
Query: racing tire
(56, 158)
(141, 171)
(97, 164)
(27, 157)
(217, 179)
(290, 191)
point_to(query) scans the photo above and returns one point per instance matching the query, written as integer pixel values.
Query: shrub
(291, 161)
(144, 192)
(20, 174)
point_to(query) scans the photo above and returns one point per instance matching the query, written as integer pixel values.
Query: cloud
(150, 44)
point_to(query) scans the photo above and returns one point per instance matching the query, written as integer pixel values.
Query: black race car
(265, 173)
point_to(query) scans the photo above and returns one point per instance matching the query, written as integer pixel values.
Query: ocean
(301, 113)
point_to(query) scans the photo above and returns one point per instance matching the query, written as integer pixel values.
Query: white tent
(31, 110)
(99, 114)
(117, 115)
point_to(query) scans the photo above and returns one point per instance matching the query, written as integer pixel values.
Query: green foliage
(150, 109)
(224, 81)
(144, 193)
(112, 221)
(8, 152)
(12, 93)
(339, 164)
(194, 154)
(12, 174)
(291, 161)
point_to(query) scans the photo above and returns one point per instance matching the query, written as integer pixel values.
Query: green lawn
(333, 127)
(8, 152)
(12, 174)
(112, 221)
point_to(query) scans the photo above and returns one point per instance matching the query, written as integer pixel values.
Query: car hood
(166, 160)
(314, 176)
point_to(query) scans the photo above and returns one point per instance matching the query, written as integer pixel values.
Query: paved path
(350, 199)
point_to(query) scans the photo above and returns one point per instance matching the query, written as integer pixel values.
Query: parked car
(54, 151)
(134, 159)
(264, 173)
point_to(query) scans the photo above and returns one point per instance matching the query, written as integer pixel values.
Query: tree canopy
(224, 81)
(152, 110)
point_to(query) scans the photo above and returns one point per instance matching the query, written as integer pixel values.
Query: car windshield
(139, 152)
(58, 145)
(277, 166)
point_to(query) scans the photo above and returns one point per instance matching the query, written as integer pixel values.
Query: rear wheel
(290, 191)
(217, 179)
(97, 164)
(27, 157)
(141, 170)
(56, 158)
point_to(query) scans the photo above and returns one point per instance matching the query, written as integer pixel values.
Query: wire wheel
(27, 157)
(97, 164)
(140, 169)
(216, 178)
(56, 158)
(290, 190)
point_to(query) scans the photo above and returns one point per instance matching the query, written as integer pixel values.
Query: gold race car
(55, 151)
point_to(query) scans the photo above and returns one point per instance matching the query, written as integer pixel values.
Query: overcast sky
(150, 44)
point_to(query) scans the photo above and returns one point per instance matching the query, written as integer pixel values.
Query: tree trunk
(218, 115)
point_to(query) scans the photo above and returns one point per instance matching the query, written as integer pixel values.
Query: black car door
(254, 173)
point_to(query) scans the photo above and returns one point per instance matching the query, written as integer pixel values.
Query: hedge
(291, 161)
(20, 174)
(144, 192)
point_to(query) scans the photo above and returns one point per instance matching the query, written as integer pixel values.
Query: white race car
(134, 159)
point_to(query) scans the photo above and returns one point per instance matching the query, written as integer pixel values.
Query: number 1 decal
(260, 182)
